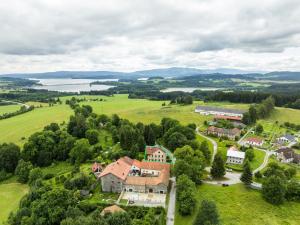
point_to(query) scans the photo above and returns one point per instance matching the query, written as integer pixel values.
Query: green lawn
(10, 195)
(258, 159)
(241, 206)
(8, 109)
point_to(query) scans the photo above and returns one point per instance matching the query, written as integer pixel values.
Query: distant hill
(283, 75)
(166, 72)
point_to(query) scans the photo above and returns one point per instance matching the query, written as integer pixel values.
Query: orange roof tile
(120, 169)
(112, 209)
(163, 178)
(154, 166)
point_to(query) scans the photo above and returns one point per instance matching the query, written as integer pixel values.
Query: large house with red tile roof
(131, 175)
(254, 141)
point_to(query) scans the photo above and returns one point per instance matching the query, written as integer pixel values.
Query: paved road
(172, 202)
(215, 145)
(265, 162)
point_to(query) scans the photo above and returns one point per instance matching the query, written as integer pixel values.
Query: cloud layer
(49, 35)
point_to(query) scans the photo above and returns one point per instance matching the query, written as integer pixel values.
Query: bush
(4, 175)
(87, 207)
(48, 176)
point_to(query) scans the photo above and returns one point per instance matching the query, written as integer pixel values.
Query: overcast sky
(125, 35)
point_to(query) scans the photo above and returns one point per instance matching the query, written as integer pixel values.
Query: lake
(72, 85)
(189, 90)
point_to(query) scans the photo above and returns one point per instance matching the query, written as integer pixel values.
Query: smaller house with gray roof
(287, 138)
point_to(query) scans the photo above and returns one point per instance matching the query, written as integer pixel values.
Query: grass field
(8, 109)
(14, 128)
(285, 115)
(10, 195)
(238, 205)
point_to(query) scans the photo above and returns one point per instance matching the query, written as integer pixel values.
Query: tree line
(23, 109)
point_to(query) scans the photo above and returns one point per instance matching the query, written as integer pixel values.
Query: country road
(265, 162)
(172, 202)
(215, 145)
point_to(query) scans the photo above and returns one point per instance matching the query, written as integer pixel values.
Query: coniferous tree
(208, 214)
(246, 176)
(218, 167)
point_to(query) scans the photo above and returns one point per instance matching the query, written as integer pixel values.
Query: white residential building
(235, 157)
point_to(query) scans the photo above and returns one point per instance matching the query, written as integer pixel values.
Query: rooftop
(236, 154)
(112, 209)
(217, 109)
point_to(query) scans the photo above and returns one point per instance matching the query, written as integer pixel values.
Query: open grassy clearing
(8, 109)
(241, 206)
(10, 195)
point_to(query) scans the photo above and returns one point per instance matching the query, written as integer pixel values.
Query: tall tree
(23, 170)
(92, 135)
(9, 157)
(81, 151)
(218, 167)
(274, 190)
(246, 176)
(149, 135)
(77, 126)
(205, 150)
(185, 195)
(207, 214)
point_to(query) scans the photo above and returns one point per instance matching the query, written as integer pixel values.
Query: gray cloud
(139, 34)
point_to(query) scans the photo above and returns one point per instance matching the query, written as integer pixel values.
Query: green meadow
(10, 195)
(22, 126)
(16, 128)
(8, 109)
(238, 205)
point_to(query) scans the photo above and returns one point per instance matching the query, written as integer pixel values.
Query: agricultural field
(8, 109)
(13, 129)
(238, 205)
(16, 128)
(10, 195)
(285, 115)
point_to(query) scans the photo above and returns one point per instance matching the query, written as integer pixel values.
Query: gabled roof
(154, 166)
(96, 166)
(163, 178)
(151, 149)
(120, 168)
(221, 110)
(288, 153)
(288, 137)
(112, 209)
(254, 139)
(236, 154)
(234, 131)
(221, 117)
